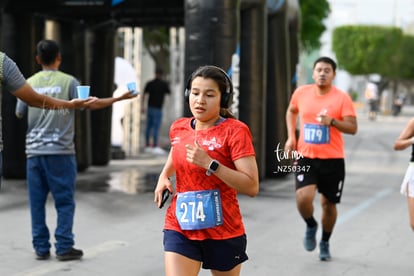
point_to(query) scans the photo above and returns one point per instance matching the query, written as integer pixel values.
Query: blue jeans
(55, 174)
(154, 116)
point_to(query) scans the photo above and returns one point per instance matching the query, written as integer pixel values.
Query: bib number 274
(199, 209)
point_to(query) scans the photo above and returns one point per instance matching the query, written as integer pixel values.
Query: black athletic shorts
(327, 174)
(221, 255)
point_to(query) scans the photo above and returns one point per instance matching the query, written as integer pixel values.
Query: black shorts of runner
(327, 174)
(221, 255)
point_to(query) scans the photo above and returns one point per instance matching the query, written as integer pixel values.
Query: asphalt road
(120, 229)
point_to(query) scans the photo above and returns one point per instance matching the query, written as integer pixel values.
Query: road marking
(48, 267)
(364, 205)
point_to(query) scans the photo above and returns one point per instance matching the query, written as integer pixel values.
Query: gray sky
(384, 12)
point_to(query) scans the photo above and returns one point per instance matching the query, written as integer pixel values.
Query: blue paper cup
(83, 91)
(132, 86)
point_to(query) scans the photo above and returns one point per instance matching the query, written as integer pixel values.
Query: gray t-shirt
(50, 132)
(11, 80)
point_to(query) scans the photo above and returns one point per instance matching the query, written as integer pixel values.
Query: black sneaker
(72, 254)
(42, 256)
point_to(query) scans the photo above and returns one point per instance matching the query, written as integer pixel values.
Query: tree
(313, 12)
(404, 61)
(364, 50)
(156, 40)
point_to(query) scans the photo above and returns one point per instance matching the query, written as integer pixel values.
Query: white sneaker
(158, 151)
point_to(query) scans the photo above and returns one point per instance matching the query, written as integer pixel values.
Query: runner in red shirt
(213, 159)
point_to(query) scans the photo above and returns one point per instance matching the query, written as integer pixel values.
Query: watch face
(214, 166)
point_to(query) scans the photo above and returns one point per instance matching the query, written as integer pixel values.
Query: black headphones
(226, 97)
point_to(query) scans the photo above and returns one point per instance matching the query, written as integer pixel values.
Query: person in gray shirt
(12, 81)
(51, 162)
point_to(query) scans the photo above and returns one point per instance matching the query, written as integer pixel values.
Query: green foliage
(405, 64)
(363, 50)
(312, 14)
(156, 41)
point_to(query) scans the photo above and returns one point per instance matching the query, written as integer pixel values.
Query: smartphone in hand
(165, 196)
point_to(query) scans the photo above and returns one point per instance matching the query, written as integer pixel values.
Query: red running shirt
(228, 141)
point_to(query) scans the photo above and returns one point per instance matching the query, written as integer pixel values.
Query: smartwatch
(212, 168)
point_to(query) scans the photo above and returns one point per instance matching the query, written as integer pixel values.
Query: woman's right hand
(163, 184)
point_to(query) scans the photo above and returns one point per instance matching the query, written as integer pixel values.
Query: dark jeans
(154, 116)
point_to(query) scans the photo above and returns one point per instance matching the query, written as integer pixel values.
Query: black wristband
(332, 122)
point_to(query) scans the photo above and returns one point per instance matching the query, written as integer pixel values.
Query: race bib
(316, 134)
(199, 209)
